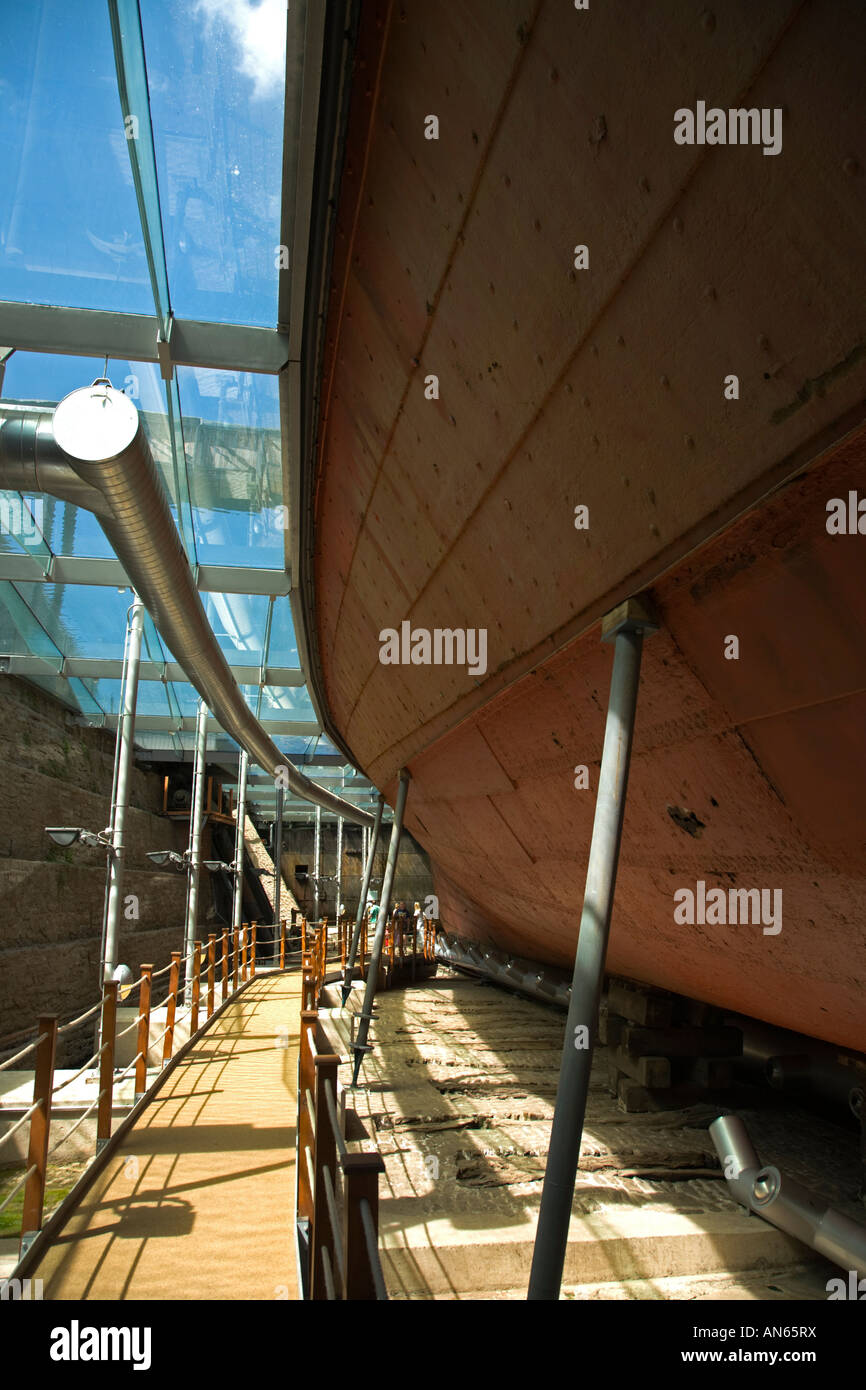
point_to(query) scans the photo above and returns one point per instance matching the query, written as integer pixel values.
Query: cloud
(260, 32)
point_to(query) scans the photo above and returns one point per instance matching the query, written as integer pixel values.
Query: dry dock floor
(458, 1096)
(198, 1201)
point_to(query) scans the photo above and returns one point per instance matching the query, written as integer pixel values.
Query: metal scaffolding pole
(362, 901)
(627, 625)
(339, 866)
(194, 865)
(317, 863)
(238, 898)
(278, 859)
(360, 1046)
(120, 790)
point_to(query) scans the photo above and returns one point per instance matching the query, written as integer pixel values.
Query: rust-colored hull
(605, 388)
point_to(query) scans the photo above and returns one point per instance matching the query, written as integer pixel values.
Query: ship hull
(479, 389)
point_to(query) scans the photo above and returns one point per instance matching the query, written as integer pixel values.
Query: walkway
(198, 1201)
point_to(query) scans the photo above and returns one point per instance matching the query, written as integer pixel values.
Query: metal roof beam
(133, 338)
(82, 569)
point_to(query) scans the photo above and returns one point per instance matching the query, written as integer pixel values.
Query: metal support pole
(120, 797)
(627, 625)
(237, 903)
(360, 1046)
(278, 858)
(362, 901)
(317, 863)
(194, 866)
(339, 903)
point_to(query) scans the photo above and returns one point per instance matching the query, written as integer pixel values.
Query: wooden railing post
(107, 1038)
(303, 936)
(211, 968)
(306, 1082)
(282, 943)
(360, 1182)
(244, 930)
(224, 965)
(171, 1006)
(144, 997)
(322, 1234)
(253, 950)
(40, 1125)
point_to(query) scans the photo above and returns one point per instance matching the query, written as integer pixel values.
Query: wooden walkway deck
(198, 1201)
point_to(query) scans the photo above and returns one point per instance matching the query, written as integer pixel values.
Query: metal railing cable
(336, 1235)
(373, 1249)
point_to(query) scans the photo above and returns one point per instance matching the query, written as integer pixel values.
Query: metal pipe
(237, 902)
(360, 1045)
(564, 1153)
(317, 863)
(362, 901)
(97, 430)
(278, 857)
(339, 874)
(194, 865)
(784, 1202)
(120, 796)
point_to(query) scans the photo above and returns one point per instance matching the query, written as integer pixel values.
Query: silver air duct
(783, 1201)
(95, 453)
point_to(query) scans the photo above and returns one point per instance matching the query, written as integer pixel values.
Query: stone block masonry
(51, 900)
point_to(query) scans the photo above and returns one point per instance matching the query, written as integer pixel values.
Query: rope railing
(219, 953)
(10, 1062)
(24, 1118)
(343, 1262)
(17, 1188)
(61, 1086)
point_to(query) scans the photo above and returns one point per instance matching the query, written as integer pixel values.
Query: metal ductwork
(785, 1202)
(92, 450)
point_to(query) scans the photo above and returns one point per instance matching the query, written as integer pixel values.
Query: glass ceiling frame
(171, 342)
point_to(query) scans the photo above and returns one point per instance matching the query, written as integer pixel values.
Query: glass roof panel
(216, 73)
(283, 649)
(69, 225)
(81, 619)
(20, 632)
(152, 697)
(238, 621)
(281, 702)
(232, 437)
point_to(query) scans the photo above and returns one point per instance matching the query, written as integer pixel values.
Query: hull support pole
(625, 626)
(360, 1045)
(362, 901)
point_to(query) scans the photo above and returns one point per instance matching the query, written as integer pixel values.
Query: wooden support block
(710, 1071)
(654, 1072)
(639, 1005)
(681, 1042)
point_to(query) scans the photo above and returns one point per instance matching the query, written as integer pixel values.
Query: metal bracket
(163, 352)
(632, 615)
